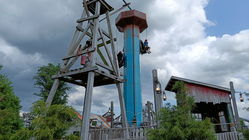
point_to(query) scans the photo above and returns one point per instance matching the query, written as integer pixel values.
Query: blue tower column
(132, 23)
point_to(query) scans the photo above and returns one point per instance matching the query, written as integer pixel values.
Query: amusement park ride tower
(95, 48)
(132, 23)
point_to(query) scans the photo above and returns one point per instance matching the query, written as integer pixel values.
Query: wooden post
(235, 109)
(52, 92)
(119, 86)
(230, 116)
(157, 96)
(149, 112)
(90, 81)
(112, 114)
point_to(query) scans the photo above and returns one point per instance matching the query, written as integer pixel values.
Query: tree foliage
(21, 134)
(10, 120)
(49, 123)
(43, 80)
(52, 122)
(246, 134)
(177, 123)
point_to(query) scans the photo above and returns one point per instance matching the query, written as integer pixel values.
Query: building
(211, 101)
(27, 119)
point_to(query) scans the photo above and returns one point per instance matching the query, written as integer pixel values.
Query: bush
(246, 134)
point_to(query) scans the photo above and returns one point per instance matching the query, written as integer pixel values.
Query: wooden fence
(118, 133)
(227, 136)
(140, 134)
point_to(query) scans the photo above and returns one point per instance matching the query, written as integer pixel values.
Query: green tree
(21, 134)
(246, 134)
(245, 131)
(58, 118)
(10, 120)
(52, 123)
(43, 81)
(49, 123)
(177, 123)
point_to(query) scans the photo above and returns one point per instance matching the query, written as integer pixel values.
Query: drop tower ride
(132, 23)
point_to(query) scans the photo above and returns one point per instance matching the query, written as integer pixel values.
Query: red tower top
(132, 17)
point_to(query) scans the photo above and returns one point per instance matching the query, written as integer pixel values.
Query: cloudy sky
(204, 40)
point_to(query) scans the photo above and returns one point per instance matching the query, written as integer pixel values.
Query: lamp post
(157, 91)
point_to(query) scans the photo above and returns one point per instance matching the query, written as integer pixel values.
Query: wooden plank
(79, 28)
(116, 11)
(73, 72)
(107, 49)
(235, 108)
(87, 18)
(107, 42)
(102, 57)
(76, 43)
(84, 52)
(70, 80)
(104, 66)
(110, 76)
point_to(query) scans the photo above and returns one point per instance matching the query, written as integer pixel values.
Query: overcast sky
(204, 40)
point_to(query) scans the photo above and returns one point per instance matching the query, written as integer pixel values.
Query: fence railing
(118, 133)
(227, 136)
(140, 134)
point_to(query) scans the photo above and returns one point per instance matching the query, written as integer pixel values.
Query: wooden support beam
(87, 18)
(120, 92)
(105, 5)
(104, 66)
(235, 108)
(90, 2)
(107, 42)
(105, 33)
(79, 28)
(77, 42)
(84, 135)
(71, 80)
(102, 57)
(72, 72)
(52, 92)
(116, 11)
(115, 59)
(118, 79)
(107, 50)
(83, 52)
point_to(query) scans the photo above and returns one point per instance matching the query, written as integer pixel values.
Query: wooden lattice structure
(95, 48)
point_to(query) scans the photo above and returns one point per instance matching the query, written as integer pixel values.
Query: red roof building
(211, 101)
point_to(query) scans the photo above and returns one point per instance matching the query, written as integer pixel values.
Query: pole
(52, 92)
(112, 114)
(149, 112)
(236, 114)
(132, 23)
(157, 96)
(90, 81)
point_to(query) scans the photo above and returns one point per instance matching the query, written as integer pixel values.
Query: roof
(173, 79)
(131, 17)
